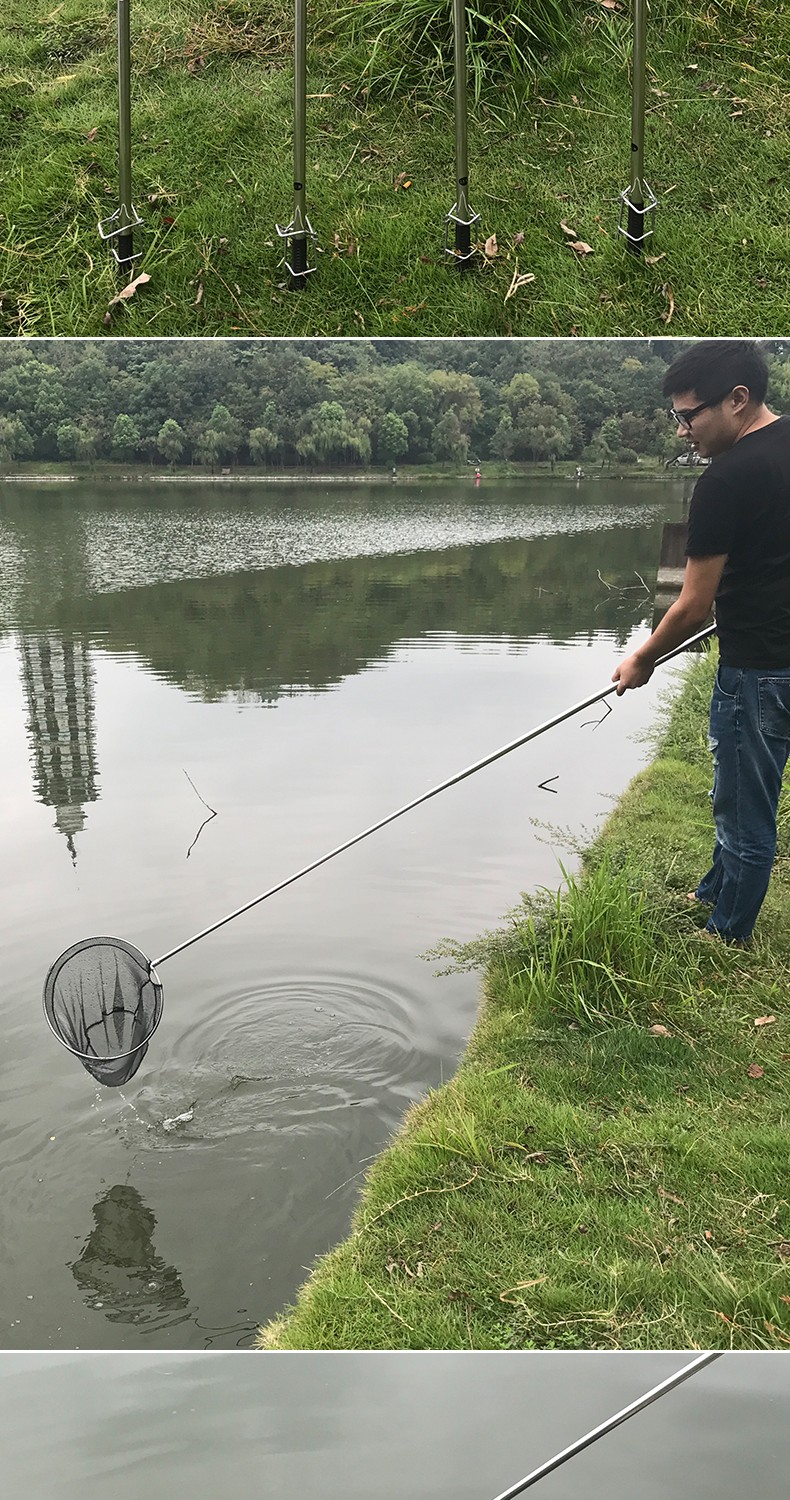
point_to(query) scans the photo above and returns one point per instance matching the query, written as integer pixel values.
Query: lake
(301, 660)
(382, 1427)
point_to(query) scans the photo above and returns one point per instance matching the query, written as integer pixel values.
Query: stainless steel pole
(487, 760)
(609, 1425)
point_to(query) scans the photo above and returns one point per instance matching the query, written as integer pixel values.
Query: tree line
(292, 403)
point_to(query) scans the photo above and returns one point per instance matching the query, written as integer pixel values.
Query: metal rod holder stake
(118, 228)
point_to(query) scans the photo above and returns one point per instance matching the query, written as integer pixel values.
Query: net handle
(478, 765)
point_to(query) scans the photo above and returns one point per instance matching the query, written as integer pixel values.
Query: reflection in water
(120, 1270)
(58, 683)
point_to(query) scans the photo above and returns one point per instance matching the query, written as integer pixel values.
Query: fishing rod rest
(297, 247)
(637, 220)
(118, 232)
(462, 249)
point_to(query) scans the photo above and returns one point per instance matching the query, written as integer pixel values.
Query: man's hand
(633, 672)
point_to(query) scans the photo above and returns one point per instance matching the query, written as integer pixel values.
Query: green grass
(212, 108)
(587, 1180)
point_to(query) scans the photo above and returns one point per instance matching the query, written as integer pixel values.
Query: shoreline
(606, 1169)
(122, 474)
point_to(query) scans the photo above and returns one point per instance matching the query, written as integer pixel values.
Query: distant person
(579, 474)
(394, 472)
(478, 477)
(738, 555)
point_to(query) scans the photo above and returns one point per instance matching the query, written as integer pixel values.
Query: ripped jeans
(750, 741)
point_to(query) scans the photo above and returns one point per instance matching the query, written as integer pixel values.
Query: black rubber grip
(299, 262)
(636, 228)
(125, 247)
(463, 245)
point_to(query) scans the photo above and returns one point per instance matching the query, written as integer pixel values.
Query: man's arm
(687, 615)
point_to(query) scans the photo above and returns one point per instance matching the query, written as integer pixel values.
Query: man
(738, 555)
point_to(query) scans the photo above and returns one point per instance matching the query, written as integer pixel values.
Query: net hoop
(54, 972)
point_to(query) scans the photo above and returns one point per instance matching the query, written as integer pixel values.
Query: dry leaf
(518, 239)
(755, 1071)
(659, 1031)
(765, 1021)
(91, 135)
(572, 232)
(199, 297)
(399, 180)
(581, 247)
(666, 317)
(672, 1197)
(491, 248)
(652, 260)
(129, 291)
(708, 1235)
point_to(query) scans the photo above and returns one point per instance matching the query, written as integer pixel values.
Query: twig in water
(212, 812)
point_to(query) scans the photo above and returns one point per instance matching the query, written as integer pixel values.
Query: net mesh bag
(103, 1000)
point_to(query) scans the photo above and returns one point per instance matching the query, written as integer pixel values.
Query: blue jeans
(750, 741)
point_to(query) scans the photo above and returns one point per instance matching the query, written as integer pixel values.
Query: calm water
(304, 661)
(386, 1427)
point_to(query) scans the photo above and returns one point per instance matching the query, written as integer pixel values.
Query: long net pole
(478, 765)
(609, 1425)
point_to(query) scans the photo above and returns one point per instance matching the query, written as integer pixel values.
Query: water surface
(302, 664)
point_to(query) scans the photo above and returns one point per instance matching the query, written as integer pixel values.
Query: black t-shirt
(741, 506)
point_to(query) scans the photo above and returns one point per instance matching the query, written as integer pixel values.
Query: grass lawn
(608, 1168)
(212, 166)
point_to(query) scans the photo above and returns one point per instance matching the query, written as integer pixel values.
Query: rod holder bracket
(122, 222)
(641, 216)
(454, 220)
(307, 235)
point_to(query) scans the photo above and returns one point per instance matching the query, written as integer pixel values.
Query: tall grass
(406, 40)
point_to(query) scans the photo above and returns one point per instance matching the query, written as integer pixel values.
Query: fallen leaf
(399, 180)
(672, 1197)
(765, 1021)
(572, 232)
(652, 260)
(755, 1071)
(708, 1235)
(491, 248)
(659, 1031)
(518, 239)
(91, 135)
(666, 317)
(581, 247)
(199, 296)
(129, 291)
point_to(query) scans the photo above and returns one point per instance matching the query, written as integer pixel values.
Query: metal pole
(636, 193)
(299, 220)
(487, 760)
(126, 213)
(609, 1425)
(463, 236)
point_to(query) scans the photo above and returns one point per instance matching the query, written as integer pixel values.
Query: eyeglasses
(685, 418)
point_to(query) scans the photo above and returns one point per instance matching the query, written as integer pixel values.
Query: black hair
(712, 368)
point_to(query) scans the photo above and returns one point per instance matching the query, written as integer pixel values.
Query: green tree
(125, 438)
(171, 441)
(392, 438)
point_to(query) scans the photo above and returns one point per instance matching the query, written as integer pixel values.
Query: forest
(342, 404)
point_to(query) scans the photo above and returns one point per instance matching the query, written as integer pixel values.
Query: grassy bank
(608, 1168)
(211, 104)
